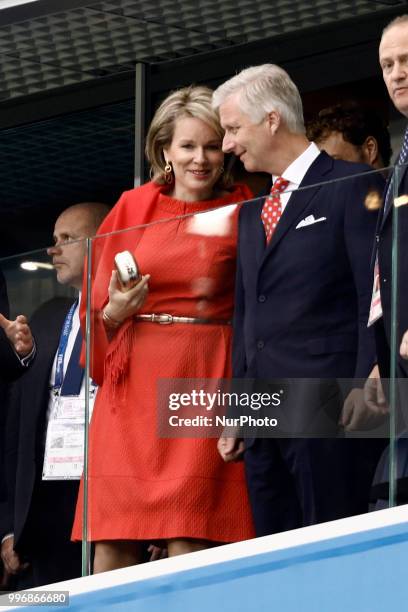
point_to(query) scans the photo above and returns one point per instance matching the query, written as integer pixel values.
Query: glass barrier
(290, 376)
(267, 344)
(392, 272)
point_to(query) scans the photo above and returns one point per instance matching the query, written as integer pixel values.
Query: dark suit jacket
(302, 302)
(384, 245)
(10, 369)
(26, 428)
(10, 366)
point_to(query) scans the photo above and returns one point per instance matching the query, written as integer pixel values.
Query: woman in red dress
(143, 487)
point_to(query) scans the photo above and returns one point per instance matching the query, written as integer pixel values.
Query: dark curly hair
(355, 123)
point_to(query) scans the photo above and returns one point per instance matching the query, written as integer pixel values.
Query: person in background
(36, 526)
(393, 54)
(175, 323)
(353, 133)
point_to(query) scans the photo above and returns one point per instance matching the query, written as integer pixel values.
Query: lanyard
(73, 366)
(74, 375)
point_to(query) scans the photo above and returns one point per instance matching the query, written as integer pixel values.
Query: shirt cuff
(7, 537)
(27, 359)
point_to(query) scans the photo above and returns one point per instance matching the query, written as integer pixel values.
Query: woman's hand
(124, 304)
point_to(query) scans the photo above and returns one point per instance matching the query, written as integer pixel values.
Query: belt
(168, 319)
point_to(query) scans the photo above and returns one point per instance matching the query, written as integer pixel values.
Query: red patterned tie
(272, 208)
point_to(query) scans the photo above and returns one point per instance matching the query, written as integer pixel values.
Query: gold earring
(168, 173)
(222, 169)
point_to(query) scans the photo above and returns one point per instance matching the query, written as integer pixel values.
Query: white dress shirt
(296, 171)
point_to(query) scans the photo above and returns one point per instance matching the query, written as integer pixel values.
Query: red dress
(142, 487)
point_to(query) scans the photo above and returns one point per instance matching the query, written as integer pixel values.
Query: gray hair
(396, 21)
(263, 89)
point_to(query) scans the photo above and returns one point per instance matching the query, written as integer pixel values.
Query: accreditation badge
(64, 446)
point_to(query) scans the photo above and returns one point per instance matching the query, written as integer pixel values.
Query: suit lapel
(299, 200)
(256, 228)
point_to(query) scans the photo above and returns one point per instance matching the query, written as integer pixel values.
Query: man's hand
(10, 558)
(404, 346)
(230, 449)
(19, 334)
(365, 408)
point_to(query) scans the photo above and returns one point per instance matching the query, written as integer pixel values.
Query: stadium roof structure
(67, 76)
(51, 44)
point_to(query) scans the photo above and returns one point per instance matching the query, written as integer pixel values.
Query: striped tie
(402, 158)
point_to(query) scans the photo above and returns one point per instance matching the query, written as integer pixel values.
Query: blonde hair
(262, 89)
(193, 101)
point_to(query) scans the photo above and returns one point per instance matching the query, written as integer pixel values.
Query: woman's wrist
(109, 321)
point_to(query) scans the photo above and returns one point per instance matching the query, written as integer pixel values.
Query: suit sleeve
(10, 365)
(360, 226)
(4, 305)
(10, 461)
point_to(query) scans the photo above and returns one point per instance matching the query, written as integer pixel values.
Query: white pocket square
(310, 220)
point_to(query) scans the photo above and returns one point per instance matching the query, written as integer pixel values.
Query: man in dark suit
(37, 527)
(393, 54)
(302, 297)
